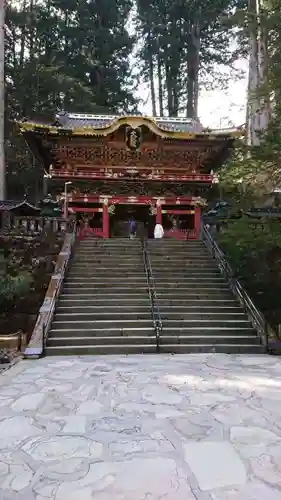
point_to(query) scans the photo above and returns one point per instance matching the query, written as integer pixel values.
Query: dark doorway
(119, 222)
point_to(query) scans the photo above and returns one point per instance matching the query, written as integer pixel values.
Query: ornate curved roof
(81, 120)
(87, 124)
(9, 205)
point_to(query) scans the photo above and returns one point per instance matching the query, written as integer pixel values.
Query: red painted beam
(134, 200)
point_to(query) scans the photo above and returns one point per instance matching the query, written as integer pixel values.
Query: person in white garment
(158, 231)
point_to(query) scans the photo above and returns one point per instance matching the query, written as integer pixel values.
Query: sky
(217, 109)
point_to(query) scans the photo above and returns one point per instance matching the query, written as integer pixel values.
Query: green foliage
(254, 251)
(62, 55)
(258, 168)
(13, 288)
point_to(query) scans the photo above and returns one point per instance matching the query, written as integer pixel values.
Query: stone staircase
(104, 306)
(198, 311)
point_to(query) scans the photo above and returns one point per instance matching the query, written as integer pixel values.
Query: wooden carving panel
(138, 189)
(114, 156)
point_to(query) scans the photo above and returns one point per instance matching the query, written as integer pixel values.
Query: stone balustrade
(35, 225)
(38, 224)
(36, 345)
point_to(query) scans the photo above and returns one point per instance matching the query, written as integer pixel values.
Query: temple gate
(108, 167)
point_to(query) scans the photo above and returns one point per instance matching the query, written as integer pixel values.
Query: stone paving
(192, 427)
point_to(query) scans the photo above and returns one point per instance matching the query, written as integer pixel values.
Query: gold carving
(133, 138)
(110, 156)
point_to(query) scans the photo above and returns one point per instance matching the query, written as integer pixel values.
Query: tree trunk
(190, 87)
(32, 32)
(160, 84)
(23, 36)
(169, 88)
(196, 43)
(193, 71)
(152, 87)
(265, 110)
(258, 108)
(2, 106)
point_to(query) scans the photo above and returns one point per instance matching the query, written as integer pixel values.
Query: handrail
(257, 318)
(155, 312)
(159, 325)
(72, 227)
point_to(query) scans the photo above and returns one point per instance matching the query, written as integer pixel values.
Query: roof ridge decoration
(13, 204)
(102, 125)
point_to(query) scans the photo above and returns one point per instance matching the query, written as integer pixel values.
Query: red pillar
(158, 214)
(105, 221)
(197, 219)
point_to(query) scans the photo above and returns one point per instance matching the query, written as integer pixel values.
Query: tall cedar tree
(182, 45)
(257, 168)
(62, 54)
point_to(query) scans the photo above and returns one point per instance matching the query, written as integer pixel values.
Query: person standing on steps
(132, 228)
(158, 231)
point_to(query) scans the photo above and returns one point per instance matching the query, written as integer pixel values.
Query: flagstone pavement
(191, 427)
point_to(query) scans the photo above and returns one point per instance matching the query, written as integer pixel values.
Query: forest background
(102, 56)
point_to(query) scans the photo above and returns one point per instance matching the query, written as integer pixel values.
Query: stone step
(114, 248)
(105, 255)
(118, 285)
(136, 282)
(209, 339)
(84, 267)
(55, 340)
(110, 252)
(92, 271)
(111, 265)
(197, 257)
(201, 329)
(72, 324)
(151, 349)
(175, 322)
(113, 330)
(188, 293)
(98, 340)
(100, 349)
(188, 285)
(172, 242)
(193, 273)
(208, 348)
(100, 275)
(101, 315)
(186, 315)
(99, 280)
(206, 265)
(102, 332)
(81, 306)
(145, 313)
(187, 278)
(195, 284)
(104, 301)
(105, 295)
(109, 242)
(164, 254)
(196, 302)
(114, 277)
(127, 322)
(103, 263)
(100, 306)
